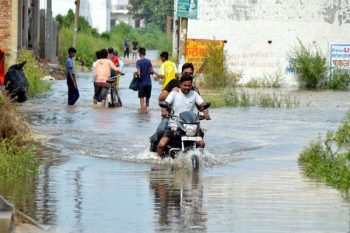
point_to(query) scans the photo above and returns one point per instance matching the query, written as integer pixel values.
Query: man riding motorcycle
(184, 100)
(173, 85)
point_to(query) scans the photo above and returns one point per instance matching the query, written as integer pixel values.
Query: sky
(59, 6)
(62, 6)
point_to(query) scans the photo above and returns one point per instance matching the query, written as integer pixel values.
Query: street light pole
(76, 21)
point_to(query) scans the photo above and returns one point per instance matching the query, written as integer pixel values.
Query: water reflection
(178, 201)
(78, 199)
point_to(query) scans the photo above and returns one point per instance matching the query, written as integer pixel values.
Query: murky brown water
(101, 178)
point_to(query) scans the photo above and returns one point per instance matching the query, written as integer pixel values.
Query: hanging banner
(187, 9)
(197, 50)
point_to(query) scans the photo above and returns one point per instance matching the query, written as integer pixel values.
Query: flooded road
(100, 176)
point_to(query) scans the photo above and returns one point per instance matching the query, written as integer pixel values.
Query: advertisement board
(339, 60)
(197, 50)
(187, 9)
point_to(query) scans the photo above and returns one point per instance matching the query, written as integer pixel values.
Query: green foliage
(17, 161)
(68, 21)
(273, 81)
(152, 11)
(89, 40)
(329, 160)
(311, 66)
(339, 81)
(241, 98)
(106, 35)
(214, 67)
(33, 73)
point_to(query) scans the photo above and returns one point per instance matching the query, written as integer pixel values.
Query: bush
(33, 73)
(329, 160)
(339, 81)
(310, 65)
(12, 125)
(15, 159)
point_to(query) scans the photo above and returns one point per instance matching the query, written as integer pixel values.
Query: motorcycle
(187, 134)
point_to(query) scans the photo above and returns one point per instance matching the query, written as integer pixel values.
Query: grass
(33, 73)
(12, 125)
(16, 159)
(268, 81)
(240, 97)
(329, 160)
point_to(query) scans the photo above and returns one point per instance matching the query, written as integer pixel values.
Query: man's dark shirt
(173, 83)
(176, 83)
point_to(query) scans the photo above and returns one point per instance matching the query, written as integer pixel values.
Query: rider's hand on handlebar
(206, 115)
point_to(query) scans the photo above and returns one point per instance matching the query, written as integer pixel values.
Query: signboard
(187, 9)
(339, 58)
(197, 50)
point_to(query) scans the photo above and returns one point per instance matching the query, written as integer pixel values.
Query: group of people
(178, 92)
(135, 47)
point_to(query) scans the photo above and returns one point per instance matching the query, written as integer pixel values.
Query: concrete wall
(260, 34)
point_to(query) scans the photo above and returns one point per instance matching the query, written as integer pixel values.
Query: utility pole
(76, 21)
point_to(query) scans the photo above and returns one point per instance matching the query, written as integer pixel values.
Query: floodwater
(100, 176)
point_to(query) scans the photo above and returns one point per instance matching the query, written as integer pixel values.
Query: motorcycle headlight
(190, 129)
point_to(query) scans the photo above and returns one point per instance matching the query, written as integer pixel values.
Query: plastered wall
(260, 34)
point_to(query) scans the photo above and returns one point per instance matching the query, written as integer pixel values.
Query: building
(97, 13)
(120, 13)
(24, 25)
(260, 34)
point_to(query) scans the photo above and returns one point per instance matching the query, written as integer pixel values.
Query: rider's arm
(113, 67)
(162, 96)
(171, 97)
(200, 102)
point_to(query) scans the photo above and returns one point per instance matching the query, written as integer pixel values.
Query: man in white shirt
(184, 100)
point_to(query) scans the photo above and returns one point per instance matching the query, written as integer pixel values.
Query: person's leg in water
(147, 103)
(148, 91)
(155, 138)
(164, 141)
(73, 95)
(142, 105)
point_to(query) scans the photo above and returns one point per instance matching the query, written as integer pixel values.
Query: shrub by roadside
(16, 158)
(329, 160)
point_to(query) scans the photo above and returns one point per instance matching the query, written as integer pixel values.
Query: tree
(152, 11)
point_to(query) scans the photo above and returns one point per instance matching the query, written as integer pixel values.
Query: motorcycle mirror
(164, 104)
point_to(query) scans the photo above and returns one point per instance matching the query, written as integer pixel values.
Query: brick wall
(5, 24)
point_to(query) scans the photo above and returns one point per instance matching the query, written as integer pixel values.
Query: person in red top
(2, 66)
(111, 56)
